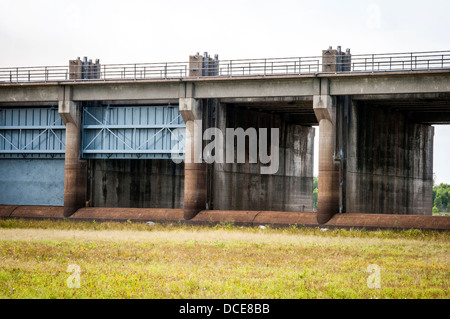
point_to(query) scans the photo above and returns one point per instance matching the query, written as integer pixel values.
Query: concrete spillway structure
(375, 142)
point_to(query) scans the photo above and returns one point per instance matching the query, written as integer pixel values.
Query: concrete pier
(194, 168)
(328, 196)
(75, 176)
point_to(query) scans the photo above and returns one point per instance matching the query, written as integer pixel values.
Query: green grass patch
(134, 260)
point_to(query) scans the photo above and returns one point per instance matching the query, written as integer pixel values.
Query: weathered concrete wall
(390, 163)
(240, 186)
(137, 183)
(32, 182)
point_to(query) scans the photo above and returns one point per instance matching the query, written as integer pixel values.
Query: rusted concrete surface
(25, 211)
(121, 214)
(247, 217)
(257, 217)
(6, 210)
(373, 221)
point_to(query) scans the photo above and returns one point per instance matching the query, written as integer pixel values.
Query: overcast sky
(51, 32)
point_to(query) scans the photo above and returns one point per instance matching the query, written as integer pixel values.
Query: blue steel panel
(32, 181)
(131, 131)
(31, 133)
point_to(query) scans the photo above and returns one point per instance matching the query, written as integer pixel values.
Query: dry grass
(133, 260)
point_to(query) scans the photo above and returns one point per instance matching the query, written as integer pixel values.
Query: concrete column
(328, 196)
(75, 175)
(194, 167)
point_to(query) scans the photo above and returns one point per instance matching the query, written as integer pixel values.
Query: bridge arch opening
(441, 170)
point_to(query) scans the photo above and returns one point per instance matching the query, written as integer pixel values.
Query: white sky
(51, 32)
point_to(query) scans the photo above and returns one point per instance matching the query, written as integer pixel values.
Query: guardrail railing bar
(252, 67)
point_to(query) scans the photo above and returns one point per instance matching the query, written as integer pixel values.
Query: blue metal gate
(32, 147)
(31, 133)
(124, 132)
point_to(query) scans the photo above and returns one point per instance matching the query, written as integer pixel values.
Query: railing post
(411, 61)
(17, 75)
(299, 66)
(265, 62)
(135, 71)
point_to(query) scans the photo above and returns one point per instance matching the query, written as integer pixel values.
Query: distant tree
(315, 191)
(441, 197)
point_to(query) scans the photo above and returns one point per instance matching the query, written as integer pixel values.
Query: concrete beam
(126, 91)
(248, 88)
(67, 109)
(237, 87)
(29, 93)
(405, 83)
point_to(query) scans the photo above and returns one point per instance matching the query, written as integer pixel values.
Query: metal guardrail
(385, 62)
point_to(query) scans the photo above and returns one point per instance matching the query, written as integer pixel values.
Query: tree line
(441, 198)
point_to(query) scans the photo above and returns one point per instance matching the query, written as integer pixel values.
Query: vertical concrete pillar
(194, 167)
(328, 196)
(75, 172)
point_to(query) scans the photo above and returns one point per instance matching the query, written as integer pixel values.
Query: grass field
(67, 259)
